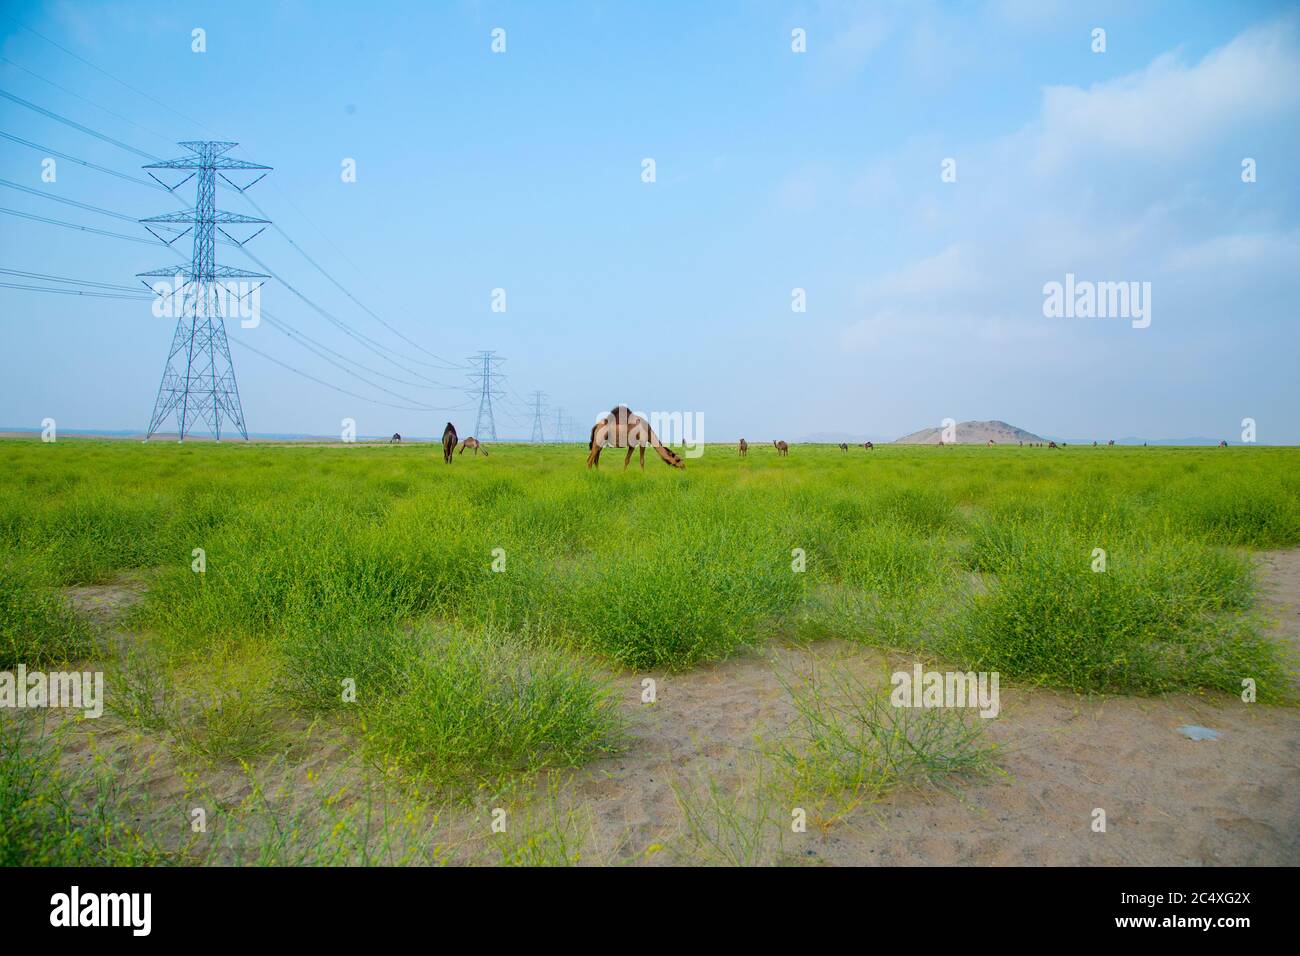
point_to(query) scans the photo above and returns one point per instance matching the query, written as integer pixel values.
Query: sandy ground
(1168, 800)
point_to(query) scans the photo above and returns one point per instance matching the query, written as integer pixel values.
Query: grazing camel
(869, 446)
(782, 449)
(623, 428)
(1051, 444)
(844, 446)
(449, 440)
(1111, 442)
(1223, 444)
(992, 443)
(396, 438)
(473, 443)
(744, 448)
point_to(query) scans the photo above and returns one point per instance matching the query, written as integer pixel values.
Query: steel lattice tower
(537, 417)
(199, 378)
(558, 433)
(485, 426)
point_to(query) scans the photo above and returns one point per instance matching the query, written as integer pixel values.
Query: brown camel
(449, 440)
(869, 446)
(1051, 444)
(782, 449)
(474, 443)
(396, 438)
(844, 446)
(744, 448)
(623, 428)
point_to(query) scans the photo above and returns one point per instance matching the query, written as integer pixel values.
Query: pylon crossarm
(160, 295)
(214, 146)
(250, 292)
(166, 242)
(242, 189)
(218, 272)
(236, 241)
(171, 189)
(218, 216)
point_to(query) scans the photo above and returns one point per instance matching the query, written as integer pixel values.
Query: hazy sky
(774, 170)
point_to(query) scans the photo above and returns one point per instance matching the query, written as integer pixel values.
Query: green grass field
(371, 567)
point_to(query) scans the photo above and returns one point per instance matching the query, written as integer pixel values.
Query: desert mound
(973, 433)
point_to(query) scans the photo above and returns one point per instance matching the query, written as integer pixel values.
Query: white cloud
(1241, 252)
(1158, 213)
(1171, 107)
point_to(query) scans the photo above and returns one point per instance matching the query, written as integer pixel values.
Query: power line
(378, 348)
(72, 123)
(72, 225)
(104, 72)
(73, 93)
(118, 291)
(68, 202)
(113, 141)
(93, 295)
(321, 269)
(81, 162)
(75, 125)
(410, 408)
(86, 282)
(364, 340)
(278, 324)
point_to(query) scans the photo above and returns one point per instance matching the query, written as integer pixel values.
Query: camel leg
(593, 457)
(643, 457)
(628, 459)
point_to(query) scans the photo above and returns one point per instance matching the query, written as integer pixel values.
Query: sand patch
(1168, 800)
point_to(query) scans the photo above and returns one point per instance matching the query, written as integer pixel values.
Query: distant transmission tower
(486, 363)
(558, 433)
(199, 378)
(537, 417)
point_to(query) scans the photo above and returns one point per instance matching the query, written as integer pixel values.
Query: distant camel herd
(623, 428)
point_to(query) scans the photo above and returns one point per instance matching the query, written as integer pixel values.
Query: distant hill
(973, 433)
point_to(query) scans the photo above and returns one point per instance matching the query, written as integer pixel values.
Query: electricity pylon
(199, 377)
(537, 418)
(485, 426)
(558, 433)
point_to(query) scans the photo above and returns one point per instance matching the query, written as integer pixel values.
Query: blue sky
(774, 170)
